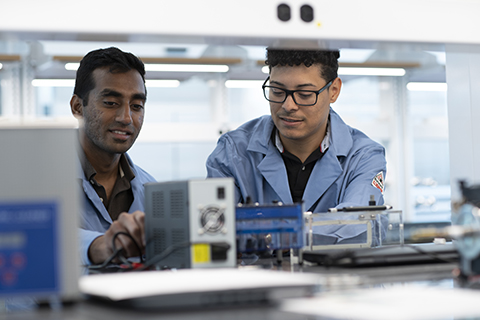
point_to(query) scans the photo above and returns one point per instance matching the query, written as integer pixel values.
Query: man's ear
(335, 89)
(76, 106)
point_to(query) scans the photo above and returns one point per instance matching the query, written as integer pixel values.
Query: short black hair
(328, 60)
(113, 58)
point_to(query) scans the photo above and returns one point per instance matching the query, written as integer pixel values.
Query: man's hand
(133, 224)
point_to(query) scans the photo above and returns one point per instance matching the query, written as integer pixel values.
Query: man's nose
(124, 114)
(289, 104)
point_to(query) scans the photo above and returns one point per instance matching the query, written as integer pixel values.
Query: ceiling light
(427, 86)
(244, 84)
(354, 71)
(187, 67)
(162, 83)
(71, 83)
(53, 83)
(72, 66)
(170, 67)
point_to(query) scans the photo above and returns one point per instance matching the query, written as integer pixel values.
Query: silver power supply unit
(40, 205)
(190, 224)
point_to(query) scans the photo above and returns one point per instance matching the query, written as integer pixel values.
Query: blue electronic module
(28, 248)
(269, 227)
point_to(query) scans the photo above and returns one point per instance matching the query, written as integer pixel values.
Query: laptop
(392, 255)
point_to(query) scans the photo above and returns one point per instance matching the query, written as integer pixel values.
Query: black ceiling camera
(283, 12)
(306, 13)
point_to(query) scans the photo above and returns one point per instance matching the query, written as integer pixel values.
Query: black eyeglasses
(300, 97)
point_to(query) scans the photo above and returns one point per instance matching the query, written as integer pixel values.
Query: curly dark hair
(113, 58)
(328, 60)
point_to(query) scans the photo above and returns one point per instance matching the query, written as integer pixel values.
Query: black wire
(107, 261)
(164, 254)
(117, 253)
(131, 238)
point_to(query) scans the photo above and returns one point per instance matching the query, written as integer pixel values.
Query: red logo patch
(378, 182)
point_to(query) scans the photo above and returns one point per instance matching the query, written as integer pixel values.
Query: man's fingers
(136, 227)
(113, 234)
(133, 225)
(128, 232)
(140, 219)
(128, 246)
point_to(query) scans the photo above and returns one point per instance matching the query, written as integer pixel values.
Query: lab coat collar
(326, 171)
(324, 174)
(269, 168)
(137, 188)
(323, 145)
(95, 199)
(340, 135)
(341, 139)
(263, 131)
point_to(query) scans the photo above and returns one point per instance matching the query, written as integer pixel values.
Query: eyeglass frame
(291, 92)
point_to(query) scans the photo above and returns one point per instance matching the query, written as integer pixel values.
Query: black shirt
(298, 173)
(121, 198)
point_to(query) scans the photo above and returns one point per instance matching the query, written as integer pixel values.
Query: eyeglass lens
(299, 97)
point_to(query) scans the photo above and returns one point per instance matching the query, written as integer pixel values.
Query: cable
(164, 254)
(117, 253)
(131, 238)
(106, 262)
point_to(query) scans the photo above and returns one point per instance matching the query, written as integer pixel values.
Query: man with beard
(109, 102)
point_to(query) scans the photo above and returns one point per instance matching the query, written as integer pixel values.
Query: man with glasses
(303, 151)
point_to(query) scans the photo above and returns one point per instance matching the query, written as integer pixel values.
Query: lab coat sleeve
(359, 183)
(221, 163)
(86, 239)
(371, 161)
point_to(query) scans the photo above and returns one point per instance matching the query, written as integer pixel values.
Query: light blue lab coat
(95, 219)
(342, 177)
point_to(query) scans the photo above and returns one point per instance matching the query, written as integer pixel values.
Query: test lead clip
(361, 208)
